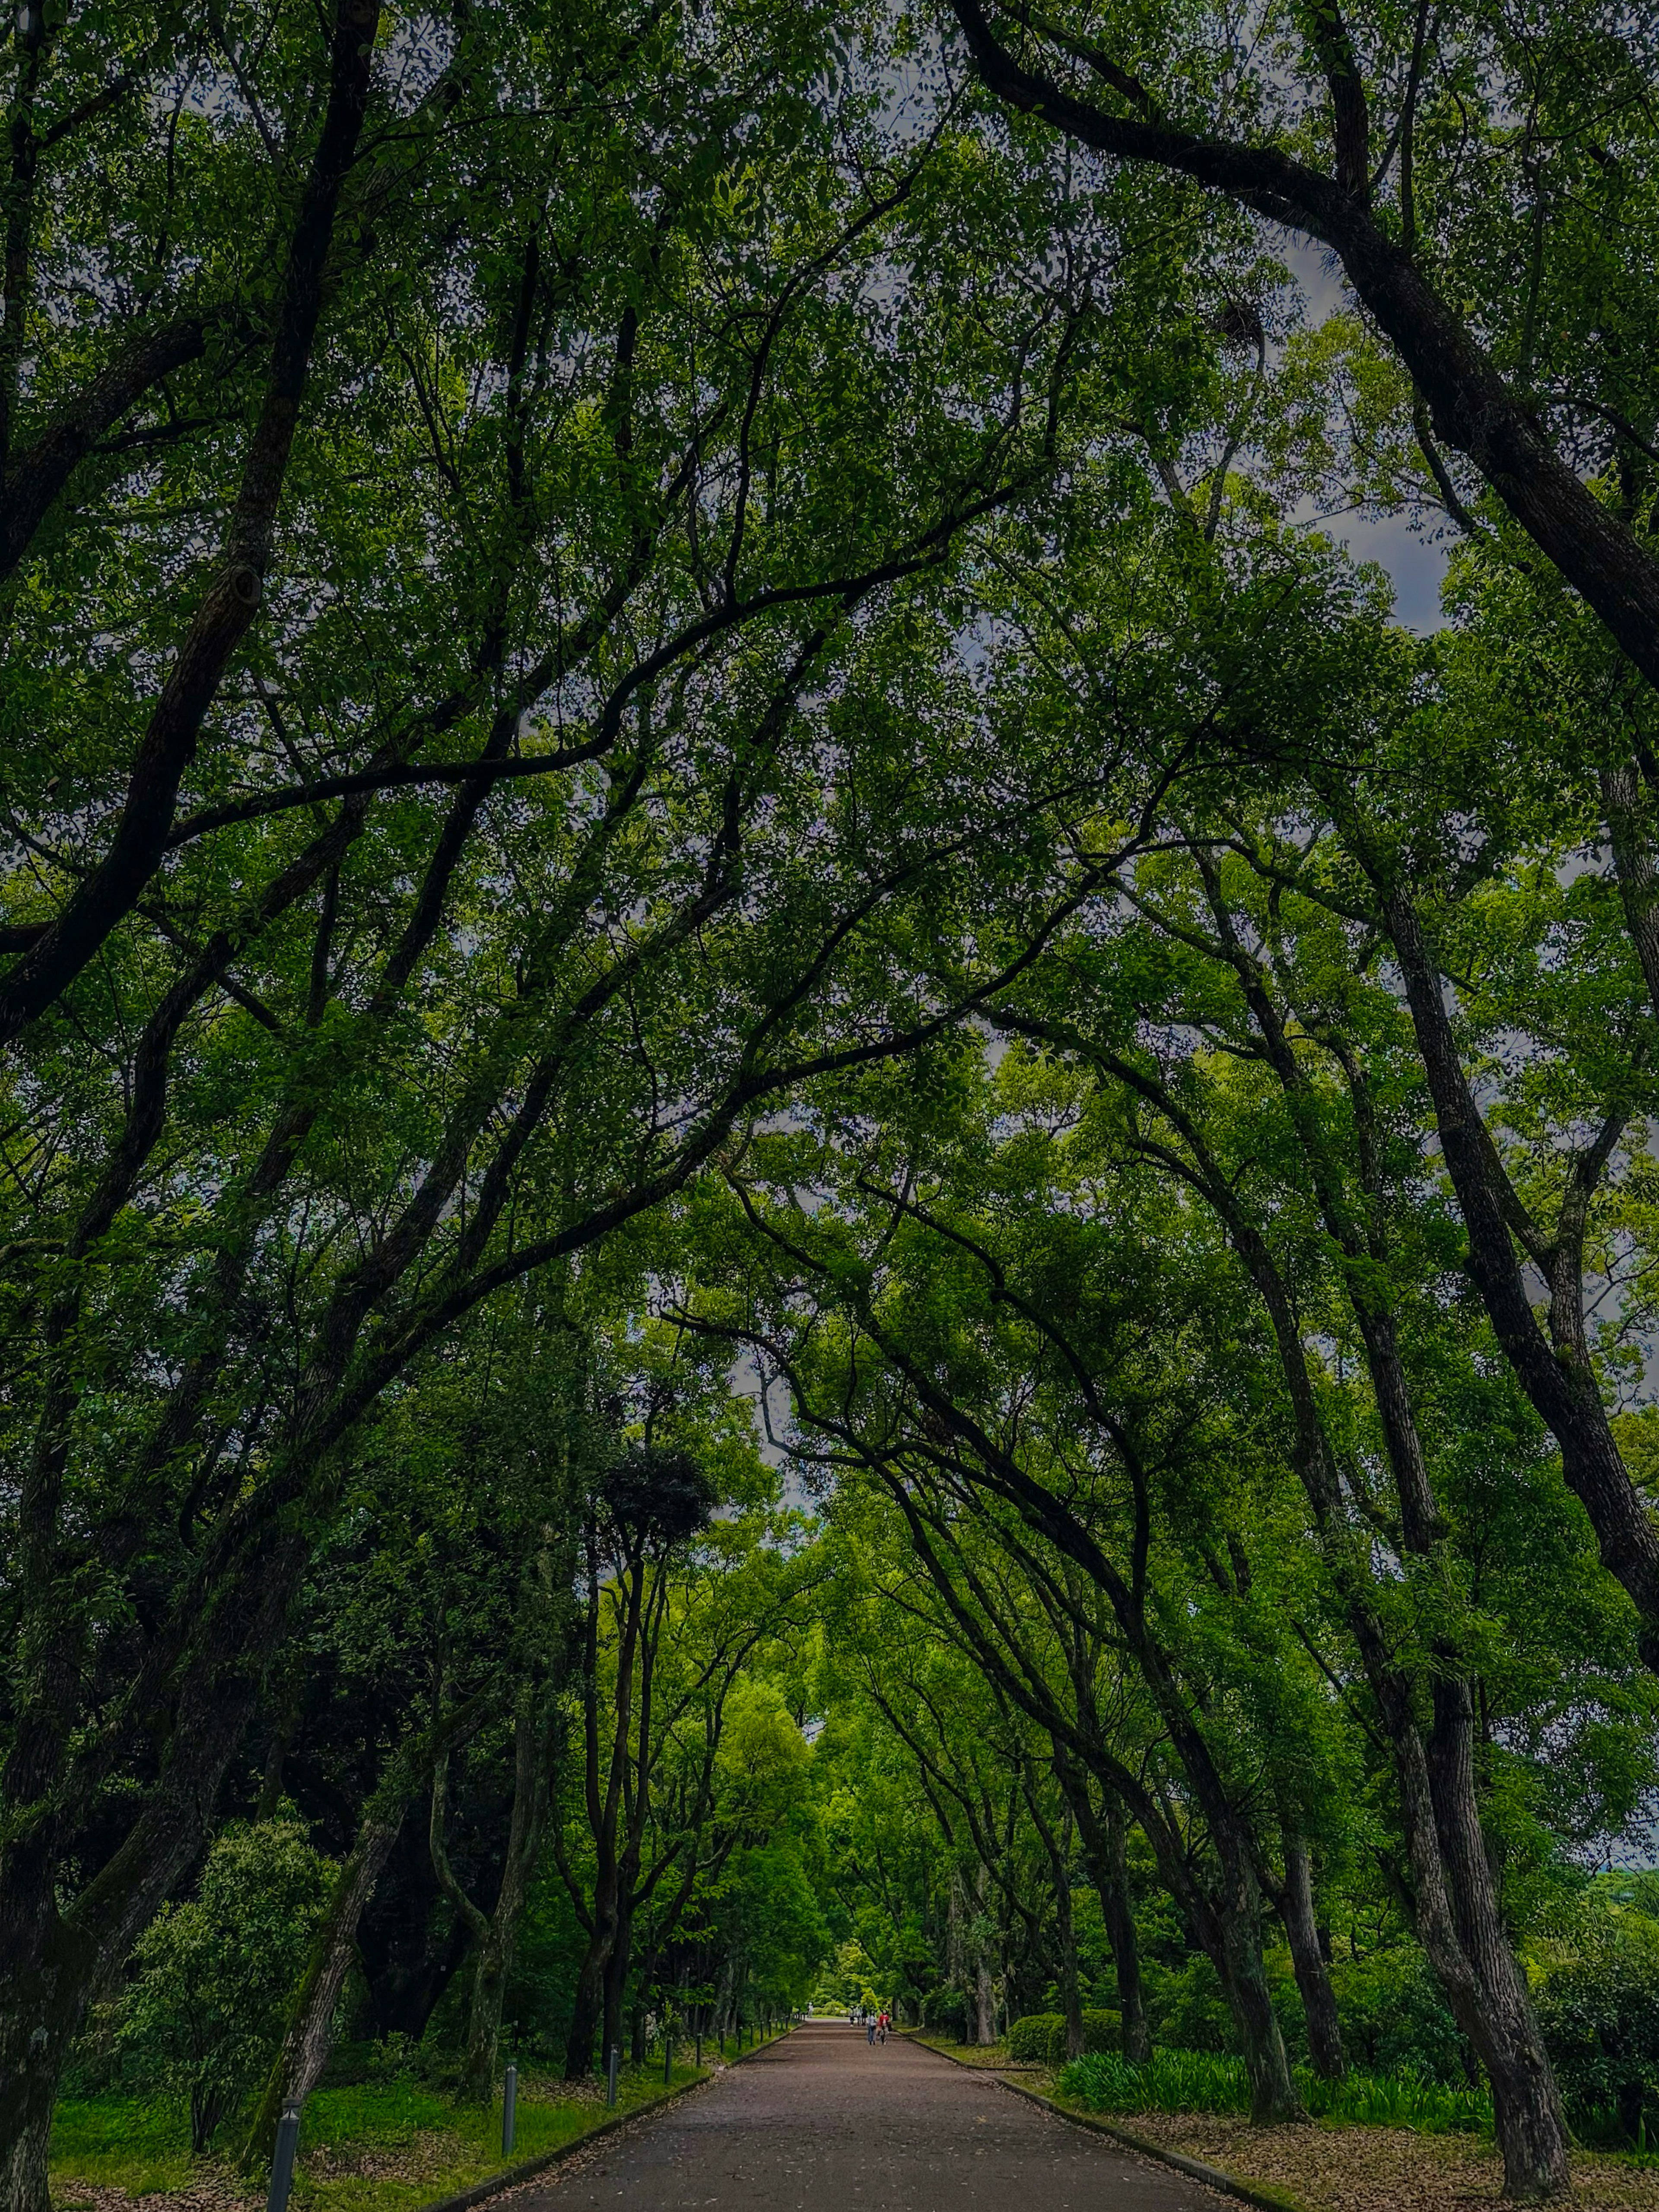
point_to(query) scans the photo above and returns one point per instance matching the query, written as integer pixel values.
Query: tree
(214, 1973)
(1390, 118)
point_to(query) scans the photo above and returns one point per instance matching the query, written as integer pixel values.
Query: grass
(120, 2143)
(392, 2148)
(1202, 2081)
(376, 2147)
(994, 2055)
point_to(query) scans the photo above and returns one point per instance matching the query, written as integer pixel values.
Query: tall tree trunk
(299, 2064)
(1105, 1836)
(1117, 1903)
(533, 1752)
(1233, 1920)
(1530, 2123)
(985, 2001)
(41, 2010)
(587, 2014)
(1071, 1995)
(1109, 1864)
(494, 1933)
(53, 1964)
(1307, 1956)
(1273, 2097)
(615, 1978)
(492, 1962)
(955, 1950)
(723, 1997)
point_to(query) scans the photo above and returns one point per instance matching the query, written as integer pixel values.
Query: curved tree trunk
(1561, 1385)
(299, 2064)
(1473, 407)
(53, 1964)
(1105, 1840)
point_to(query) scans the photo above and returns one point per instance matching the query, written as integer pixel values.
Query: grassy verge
(384, 2147)
(1382, 2144)
(1201, 2082)
(118, 2142)
(992, 2055)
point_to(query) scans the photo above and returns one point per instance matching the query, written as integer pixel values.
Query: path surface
(820, 2122)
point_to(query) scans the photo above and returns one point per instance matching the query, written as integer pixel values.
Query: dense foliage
(811, 1181)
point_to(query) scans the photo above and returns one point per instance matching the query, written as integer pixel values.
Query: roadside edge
(510, 2177)
(1258, 2193)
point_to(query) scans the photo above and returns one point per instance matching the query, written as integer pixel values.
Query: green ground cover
(1210, 2081)
(372, 2147)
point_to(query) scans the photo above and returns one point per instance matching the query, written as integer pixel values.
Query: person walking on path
(870, 2031)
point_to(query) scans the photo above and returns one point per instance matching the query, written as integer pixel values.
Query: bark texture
(1307, 1957)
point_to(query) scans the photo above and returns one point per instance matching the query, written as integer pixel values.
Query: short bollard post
(610, 2076)
(281, 2163)
(510, 2110)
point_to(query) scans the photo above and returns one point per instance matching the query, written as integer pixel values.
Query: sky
(1414, 557)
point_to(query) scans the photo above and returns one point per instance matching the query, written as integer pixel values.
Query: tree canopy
(813, 1180)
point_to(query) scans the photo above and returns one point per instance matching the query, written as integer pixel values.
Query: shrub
(1214, 2081)
(1395, 2019)
(391, 2059)
(1188, 2009)
(1102, 2030)
(205, 2013)
(1042, 2035)
(945, 2012)
(1031, 2038)
(1599, 2010)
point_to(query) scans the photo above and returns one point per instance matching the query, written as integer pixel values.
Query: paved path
(820, 2122)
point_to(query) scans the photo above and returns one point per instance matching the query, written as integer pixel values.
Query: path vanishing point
(822, 2122)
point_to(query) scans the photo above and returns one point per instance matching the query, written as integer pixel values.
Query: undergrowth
(1203, 2082)
(369, 2147)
